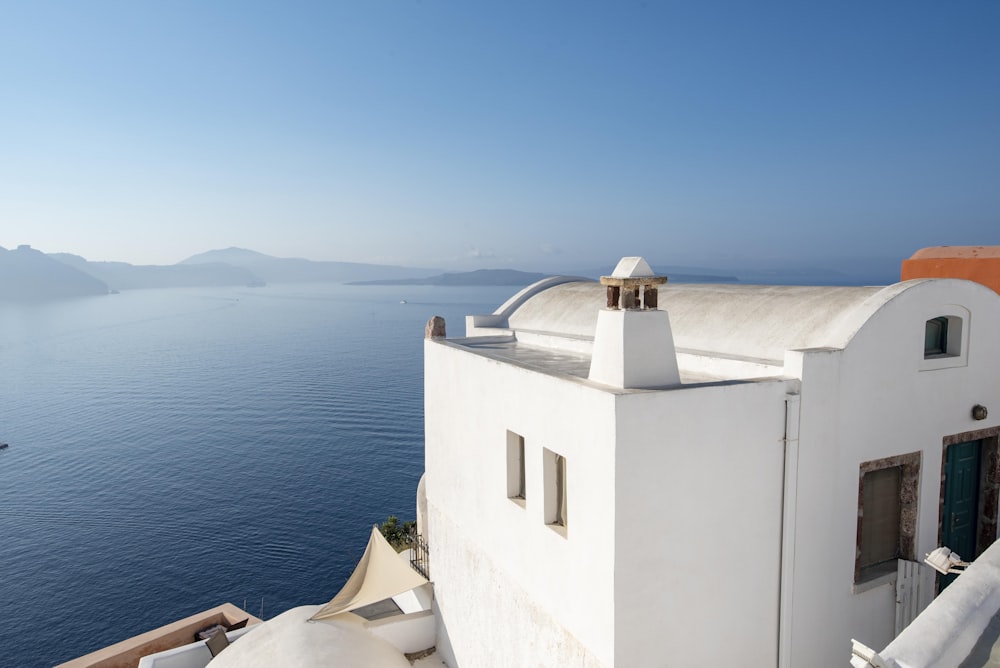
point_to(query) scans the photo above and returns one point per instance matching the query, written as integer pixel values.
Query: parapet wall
(972, 263)
(126, 654)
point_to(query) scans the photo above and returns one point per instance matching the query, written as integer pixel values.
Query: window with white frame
(946, 338)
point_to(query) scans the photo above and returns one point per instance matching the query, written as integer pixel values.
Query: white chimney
(633, 344)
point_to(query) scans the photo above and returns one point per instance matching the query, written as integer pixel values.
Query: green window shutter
(936, 337)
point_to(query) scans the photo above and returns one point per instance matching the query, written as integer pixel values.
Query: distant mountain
(676, 274)
(235, 256)
(847, 271)
(468, 278)
(678, 277)
(297, 270)
(830, 270)
(29, 275)
(124, 276)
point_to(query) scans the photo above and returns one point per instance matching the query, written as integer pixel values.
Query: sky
(544, 135)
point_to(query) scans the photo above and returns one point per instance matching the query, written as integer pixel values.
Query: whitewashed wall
(486, 550)
(869, 401)
(689, 549)
(698, 525)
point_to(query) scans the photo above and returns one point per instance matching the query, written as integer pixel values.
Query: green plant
(398, 534)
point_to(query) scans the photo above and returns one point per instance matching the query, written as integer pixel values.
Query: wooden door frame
(989, 484)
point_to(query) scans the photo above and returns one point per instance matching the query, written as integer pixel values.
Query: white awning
(380, 574)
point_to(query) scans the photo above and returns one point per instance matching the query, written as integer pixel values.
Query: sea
(171, 450)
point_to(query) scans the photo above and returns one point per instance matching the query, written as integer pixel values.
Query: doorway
(970, 481)
(960, 511)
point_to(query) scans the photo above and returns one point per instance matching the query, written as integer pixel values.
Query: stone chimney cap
(632, 285)
(632, 267)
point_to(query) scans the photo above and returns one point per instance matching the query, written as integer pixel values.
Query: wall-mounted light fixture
(979, 412)
(945, 561)
(863, 656)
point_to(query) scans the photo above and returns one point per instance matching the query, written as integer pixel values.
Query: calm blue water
(171, 450)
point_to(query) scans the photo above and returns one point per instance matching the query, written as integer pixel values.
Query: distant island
(297, 270)
(27, 274)
(30, 275)
(125, 276)
(467, 278)
(521, 278)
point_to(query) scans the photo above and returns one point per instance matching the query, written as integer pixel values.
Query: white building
(745, 476)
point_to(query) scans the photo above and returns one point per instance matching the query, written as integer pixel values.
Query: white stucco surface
(698, 526)
(412, 632)
(486, 548)
(634, 349)
(290, 640)
(869, 401)
(630, 557)
(714, 522)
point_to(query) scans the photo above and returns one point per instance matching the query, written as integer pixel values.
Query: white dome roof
(290, 641)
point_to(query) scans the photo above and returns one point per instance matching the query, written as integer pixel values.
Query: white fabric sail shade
(379, 575)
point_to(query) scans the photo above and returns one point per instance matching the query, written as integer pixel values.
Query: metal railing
(420, 555)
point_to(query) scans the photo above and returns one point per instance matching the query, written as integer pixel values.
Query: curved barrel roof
(752, 321)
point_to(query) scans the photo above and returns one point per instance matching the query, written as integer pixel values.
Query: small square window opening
(936, 337)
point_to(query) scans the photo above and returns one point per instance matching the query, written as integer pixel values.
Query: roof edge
(527, 293)
(956, 252)
(852, 322)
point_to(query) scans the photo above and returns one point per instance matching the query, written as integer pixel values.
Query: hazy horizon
(525, 136)
(782, 269)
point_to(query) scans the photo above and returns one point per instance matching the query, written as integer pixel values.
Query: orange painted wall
(973, 263)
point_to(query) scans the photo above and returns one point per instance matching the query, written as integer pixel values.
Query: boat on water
(4, 446)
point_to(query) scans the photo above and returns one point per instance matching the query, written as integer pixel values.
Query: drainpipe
(789, 502)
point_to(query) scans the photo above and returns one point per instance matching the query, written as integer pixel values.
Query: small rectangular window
(880, 520)
(936, 337)
(946, 339)
(554, 470)
(560, 518)
(515, 466)
(887, 513)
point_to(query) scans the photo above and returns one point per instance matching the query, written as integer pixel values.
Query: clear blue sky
(545, 135)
